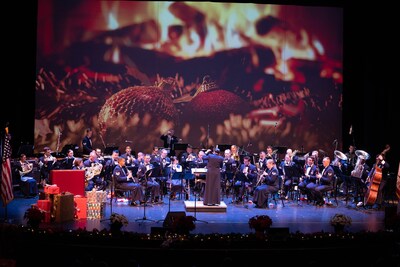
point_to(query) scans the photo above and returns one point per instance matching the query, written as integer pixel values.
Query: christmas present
(63, 207)
(51, 189)
(80, 207)
(45, 205)
(96, 196)
(95, 210)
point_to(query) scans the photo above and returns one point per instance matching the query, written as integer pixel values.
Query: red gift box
(80, 207)
(45, 205)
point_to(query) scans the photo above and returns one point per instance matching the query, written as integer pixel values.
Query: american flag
(6, 178)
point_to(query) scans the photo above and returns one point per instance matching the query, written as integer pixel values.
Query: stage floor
(301, 216)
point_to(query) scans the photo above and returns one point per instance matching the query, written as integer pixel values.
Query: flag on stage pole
(6, 177)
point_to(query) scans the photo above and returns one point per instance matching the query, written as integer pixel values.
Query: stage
(226, 218)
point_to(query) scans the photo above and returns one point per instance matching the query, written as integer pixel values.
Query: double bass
(375, 178)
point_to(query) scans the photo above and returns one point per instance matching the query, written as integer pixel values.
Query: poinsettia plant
(34, 215)
(116, 218)
(340, 219)
(260, 222)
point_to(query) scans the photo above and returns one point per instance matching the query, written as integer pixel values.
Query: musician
(124, 180)
(245, 178)
(155, 156)
(46, 163)
(262, 161)
(229, 167)
(87, 144)
(110, 165)
(165, 169)
(212, 192)
(78, 164)
(139, 160)
(129, 157)
(270, 154)
(176, 185)
(359, 177)
(96, 181)
(235, 153)
(144, 175)
(326, 179)
(169, 140)
(29, 185)
(287, 180)
(100, 156)
(268, 185)
(309, 180)
(384, 166)
(187, 158)
(68, 160)
(351, 157)
(200, 179)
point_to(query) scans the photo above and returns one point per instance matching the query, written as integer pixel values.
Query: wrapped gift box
(45, 205)
(80, 207)
(63, 207)
(52, 189)
(95, 196)
(95, 210)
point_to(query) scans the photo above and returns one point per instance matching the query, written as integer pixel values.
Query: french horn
(93, 171)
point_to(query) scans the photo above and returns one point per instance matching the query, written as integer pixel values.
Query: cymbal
(322, 151)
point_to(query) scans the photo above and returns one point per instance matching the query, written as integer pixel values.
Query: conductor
(169, 140)
(212, 192)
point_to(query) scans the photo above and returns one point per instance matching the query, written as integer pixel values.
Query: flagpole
(6, 175)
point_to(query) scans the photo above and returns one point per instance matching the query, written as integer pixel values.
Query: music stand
(293, 173)
(146, 176)
(188, 176)
(175, 176)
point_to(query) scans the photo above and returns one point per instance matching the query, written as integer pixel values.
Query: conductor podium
(72, 181)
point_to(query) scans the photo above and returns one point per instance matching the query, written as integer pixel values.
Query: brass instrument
(93, 171)
(362, 153)
(26, 168)
(340, 155)
(359, 168)
(261, 177)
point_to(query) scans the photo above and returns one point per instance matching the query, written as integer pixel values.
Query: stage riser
(191, 206)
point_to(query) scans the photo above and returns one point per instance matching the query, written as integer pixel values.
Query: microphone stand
(195, 209)
(145, 201)
(169, 201)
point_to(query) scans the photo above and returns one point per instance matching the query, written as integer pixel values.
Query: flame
(116, 55)
(200, 29)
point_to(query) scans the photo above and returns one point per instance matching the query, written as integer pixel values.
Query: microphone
(351, 129)
(334, 142)
(128, 141)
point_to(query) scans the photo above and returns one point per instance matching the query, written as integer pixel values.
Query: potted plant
(117, 221)
(34, 216)
(339, 221)
(260, 223)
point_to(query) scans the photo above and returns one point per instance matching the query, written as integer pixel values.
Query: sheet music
(199, 170)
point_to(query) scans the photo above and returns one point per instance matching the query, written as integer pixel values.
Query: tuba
(359, 168)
